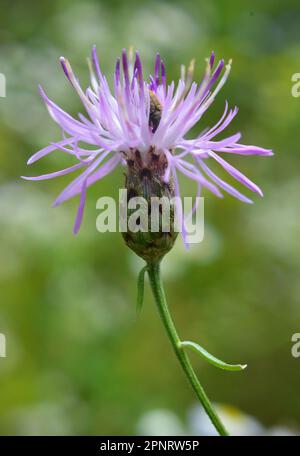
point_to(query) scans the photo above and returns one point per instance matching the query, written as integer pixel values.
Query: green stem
(159, 295)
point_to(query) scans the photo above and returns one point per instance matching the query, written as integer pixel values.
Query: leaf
(140, 294)
(210, 358)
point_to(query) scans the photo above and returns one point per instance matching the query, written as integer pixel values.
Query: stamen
(66, 67)
(96, 62)
(157, 68)
(163, 76)
(94, 81)
(125, 68)
(117, 72)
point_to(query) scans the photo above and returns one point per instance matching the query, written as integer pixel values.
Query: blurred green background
(77, 361)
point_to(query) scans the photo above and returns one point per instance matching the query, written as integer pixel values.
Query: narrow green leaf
(210, 358)
(140, 293)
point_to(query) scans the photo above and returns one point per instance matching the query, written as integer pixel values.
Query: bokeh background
(77, 360)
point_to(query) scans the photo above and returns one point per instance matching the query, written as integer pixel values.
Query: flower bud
(156, 234)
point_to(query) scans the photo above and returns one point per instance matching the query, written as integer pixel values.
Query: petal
(68, 191)
(157, 68)
(241, 149)
(221, 125)
(195, 174)
(96, 63)
(236, 174)
(74, 188)
(179, 208)
(217, 144)
(62, 172)
(224, 185)
(47, 150)
(80, 211)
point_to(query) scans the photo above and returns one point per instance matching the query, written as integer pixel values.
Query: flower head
(145, 121)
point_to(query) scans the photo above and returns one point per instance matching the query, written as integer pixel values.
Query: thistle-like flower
(143, 124)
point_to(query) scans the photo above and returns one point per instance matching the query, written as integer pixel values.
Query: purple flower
(145, 115)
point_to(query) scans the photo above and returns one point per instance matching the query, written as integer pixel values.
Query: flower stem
(160, 299)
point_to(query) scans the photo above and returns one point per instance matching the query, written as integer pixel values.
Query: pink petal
(62, 172)
(236, 174)
(80, 211)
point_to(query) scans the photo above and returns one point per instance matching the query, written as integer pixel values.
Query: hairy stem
(160, 299)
